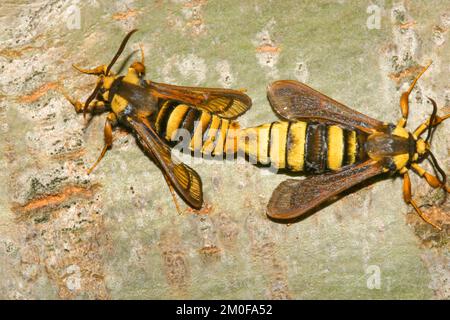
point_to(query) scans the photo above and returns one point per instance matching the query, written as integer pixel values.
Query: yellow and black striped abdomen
(206, 133)
(300, 146)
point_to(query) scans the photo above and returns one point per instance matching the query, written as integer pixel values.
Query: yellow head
(106, 77)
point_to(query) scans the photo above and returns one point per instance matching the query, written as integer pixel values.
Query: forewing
(225, 103)
(293, 198)
(183, 178)
(137, 96)
(293, 100)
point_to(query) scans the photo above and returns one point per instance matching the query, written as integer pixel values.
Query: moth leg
(424, 126)
(404, 104)
(172, 191)
(142, 54)
(431, 179)
(96, 106)
(93, 107)
(139, 65)
(95, 71)
(111, 120)
(408, 199)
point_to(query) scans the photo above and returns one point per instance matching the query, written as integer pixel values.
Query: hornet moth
(138, 104)
(337, 147)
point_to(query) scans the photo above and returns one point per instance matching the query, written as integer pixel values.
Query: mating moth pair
(336, 147)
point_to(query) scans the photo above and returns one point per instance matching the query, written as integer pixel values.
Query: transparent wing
(183, 178)
(293, 198)
(293, 100)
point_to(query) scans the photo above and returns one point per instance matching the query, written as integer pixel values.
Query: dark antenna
(114, 59)
(432, 118)
(91, 97)
(119, 52)
(443, 181)
(125, 62)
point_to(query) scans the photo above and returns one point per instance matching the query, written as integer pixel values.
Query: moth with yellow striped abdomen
(142, 106)
(338, 146)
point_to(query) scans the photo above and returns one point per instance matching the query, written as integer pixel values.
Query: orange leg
(95, 71)
(111, 120)
(404, 103)
(139, 65)
(408, 199)
(142, 55)
(172, 191)
(424, 126)
(174, 197)
(431, 179)
(94, 107)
